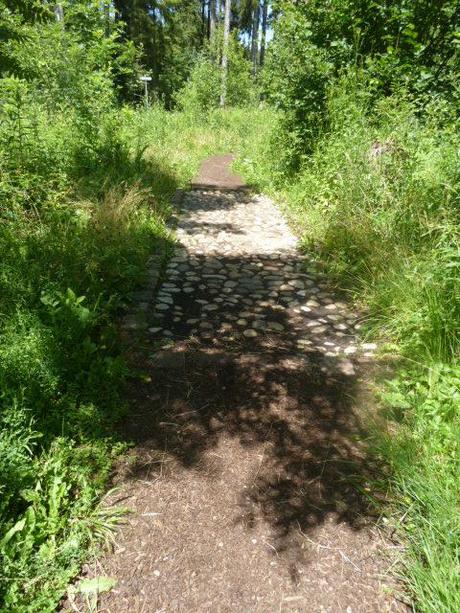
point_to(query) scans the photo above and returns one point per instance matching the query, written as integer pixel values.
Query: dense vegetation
(370, 173)
(350, 115)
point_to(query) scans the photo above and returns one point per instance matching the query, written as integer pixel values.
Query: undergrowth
(74, 240)
(377, 205)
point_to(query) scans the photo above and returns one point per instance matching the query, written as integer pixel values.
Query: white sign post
(145, 80)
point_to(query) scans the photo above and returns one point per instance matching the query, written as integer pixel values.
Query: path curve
(247, 478)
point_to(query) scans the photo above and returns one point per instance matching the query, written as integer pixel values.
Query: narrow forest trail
(247, 475)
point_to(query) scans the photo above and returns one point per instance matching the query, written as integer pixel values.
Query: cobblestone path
(238, 275)
(248, 481)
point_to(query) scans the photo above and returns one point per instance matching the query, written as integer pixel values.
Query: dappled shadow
(298, 409)
(210, 228)
(287, 389)
(210, 198)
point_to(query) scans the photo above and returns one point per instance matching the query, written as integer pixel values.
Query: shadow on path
(248, 443)
(294, 407)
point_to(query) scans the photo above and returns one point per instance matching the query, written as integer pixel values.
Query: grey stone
(275, 326)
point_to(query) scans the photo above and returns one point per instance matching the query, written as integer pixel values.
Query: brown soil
(216, 172)
(248, 484)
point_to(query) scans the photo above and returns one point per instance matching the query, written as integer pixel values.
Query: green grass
(74, 246)
(424, 455)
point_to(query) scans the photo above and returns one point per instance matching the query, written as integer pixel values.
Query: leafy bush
(201, 93)
(397, 45)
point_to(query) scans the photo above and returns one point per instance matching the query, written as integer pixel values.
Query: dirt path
(247, 483)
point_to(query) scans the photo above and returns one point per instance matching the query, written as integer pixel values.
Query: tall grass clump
(379, 200)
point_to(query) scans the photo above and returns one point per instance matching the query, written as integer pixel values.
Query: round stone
(369, 346)
(205, 325)
(275, 326)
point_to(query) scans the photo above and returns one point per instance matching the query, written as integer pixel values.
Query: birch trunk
(223, 93)
(255, 38)
(263, 41)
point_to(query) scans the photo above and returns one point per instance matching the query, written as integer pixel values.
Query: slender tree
(263, 41)
(212, 17)
(223, 94)
(255, 37)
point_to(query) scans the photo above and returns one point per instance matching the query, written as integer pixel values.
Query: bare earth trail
(248, 478)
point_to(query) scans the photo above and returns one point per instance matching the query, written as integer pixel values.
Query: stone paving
(248, 469)
(237, 276)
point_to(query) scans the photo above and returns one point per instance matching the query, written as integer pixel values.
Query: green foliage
(168, 35)
(201, 92)
(81, 210)
(424, 456)
(295, 78)
(365, 152)
(399, 44)
(43, 549)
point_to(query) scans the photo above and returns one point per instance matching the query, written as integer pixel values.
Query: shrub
(201, 93)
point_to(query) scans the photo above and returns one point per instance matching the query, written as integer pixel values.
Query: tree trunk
(223, 93)
(107, 23)
(204, 20)
(263, 42)
(59, 13)
(212, 17)
(255, 38)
